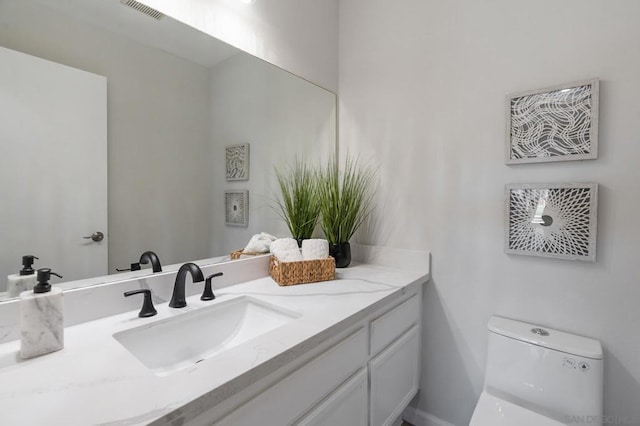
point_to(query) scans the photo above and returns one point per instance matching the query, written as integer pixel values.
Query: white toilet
(537, 376)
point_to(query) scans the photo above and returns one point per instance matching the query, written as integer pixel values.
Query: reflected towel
(259, 243)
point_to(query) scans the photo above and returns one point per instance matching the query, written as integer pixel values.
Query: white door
(53, 169)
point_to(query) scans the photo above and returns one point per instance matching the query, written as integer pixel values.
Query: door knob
(96, 236)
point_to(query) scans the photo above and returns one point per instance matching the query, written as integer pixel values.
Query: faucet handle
(133, 267)
(147, 305)
(207, 294)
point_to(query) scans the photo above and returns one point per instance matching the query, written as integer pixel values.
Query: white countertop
(95, 380)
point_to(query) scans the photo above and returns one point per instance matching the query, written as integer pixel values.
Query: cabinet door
(347, 405)
(394, 378)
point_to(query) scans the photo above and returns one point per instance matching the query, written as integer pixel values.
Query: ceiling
(166, 34)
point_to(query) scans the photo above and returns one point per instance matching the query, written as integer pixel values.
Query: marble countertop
(95, 380)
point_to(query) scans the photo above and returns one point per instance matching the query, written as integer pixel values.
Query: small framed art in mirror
(236, 205)
(237, 161)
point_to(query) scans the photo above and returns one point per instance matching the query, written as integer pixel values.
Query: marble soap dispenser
(41, 326)
(23, 280)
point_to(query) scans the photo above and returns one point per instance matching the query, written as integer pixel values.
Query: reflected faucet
(178, 299)
(149, 256)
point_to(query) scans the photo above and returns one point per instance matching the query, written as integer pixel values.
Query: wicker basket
(303, 271)
(239, 253)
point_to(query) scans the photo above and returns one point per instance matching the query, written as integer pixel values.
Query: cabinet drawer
(346, 406)
(389, 326)
(288, 399)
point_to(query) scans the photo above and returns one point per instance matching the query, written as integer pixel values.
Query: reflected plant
(298, 205)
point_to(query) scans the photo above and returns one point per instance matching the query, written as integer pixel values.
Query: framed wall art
(237, 162)
(557, 123)
(236, 206)
(552, 220)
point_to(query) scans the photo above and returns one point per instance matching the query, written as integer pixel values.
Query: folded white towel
(283, 244)
(315, 249)
(286, 250)
(293, 255)
(259, 243)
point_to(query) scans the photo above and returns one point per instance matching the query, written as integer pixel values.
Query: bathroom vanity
(345, 351)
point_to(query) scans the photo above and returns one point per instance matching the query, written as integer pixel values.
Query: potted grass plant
(346, 200)
(298, 204)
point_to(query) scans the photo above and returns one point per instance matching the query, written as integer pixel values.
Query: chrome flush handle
(540, 331)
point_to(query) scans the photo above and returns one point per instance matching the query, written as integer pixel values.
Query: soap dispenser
(41, 325)
(23, 280)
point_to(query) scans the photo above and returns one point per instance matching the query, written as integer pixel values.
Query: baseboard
(421, 418)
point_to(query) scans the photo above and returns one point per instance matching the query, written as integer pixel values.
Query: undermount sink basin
(175, 343)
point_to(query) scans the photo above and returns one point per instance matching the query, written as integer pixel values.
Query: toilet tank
(554, 373)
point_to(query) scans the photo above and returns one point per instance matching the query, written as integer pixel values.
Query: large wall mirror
(175, 98)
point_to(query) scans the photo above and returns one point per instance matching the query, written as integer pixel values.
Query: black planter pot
(341, 252)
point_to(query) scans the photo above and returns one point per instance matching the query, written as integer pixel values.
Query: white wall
(282, 117)
(300, 36)
(421, 88)
(158, 179)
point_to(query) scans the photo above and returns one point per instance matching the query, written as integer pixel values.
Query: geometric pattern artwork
(553, 124)
(552, 220)
(237, 162)
(236, 206)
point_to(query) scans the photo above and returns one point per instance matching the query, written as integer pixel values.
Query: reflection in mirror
(175, 98)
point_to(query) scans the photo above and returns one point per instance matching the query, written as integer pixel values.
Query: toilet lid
(492, 411)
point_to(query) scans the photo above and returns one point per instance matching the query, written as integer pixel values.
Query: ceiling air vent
(143, 8)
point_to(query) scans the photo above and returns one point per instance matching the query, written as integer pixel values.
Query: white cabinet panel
(287, 400)
(389, 326)
(394, 378)
(347, 406)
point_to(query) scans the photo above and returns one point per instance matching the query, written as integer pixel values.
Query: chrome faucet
(149, 256)
(178, 299)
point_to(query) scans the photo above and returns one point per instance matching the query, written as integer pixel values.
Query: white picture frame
(236, 206)
(552, 220)
(237, 162)
(558, 123)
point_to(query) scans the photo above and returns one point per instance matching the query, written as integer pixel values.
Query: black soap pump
(44, 275)
(41, 319)
(23, 280)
